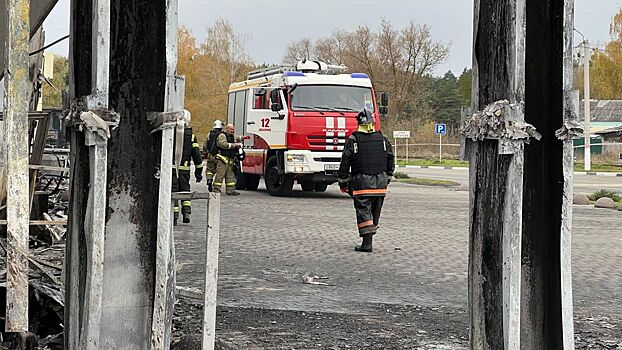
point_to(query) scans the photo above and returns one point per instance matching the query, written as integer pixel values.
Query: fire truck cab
(296, 121)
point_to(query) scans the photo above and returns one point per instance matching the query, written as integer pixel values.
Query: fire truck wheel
(307, 186)
(276, 184)
(252, 182)
(321, 187)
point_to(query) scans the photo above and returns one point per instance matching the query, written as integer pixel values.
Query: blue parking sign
(441, 129)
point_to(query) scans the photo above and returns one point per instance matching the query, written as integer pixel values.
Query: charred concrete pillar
(114, 87)
(520, 292)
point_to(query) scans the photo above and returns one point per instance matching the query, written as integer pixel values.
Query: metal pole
(407, 142)
(18, 90)
(586, 105)
(440, 147)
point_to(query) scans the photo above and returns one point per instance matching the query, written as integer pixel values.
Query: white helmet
(187, 117)
(218, 124)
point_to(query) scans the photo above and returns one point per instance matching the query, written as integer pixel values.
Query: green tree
(52, 95)
(465, 84)
(445, 100)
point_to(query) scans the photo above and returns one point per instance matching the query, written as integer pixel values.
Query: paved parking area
(269, 245)
(411, 293)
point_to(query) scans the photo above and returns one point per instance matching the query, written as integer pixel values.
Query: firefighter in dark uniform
(210, 150)
(227, 145)
(366, 169)
(181, 172)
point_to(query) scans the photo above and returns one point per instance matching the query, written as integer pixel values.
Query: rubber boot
(366, 247)
(186, 217)
(210, 185)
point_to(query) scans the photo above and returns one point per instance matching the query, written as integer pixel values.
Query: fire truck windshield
(331, 98)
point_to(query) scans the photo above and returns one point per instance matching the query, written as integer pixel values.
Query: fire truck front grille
(327, 159)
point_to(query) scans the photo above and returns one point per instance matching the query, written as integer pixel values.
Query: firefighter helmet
(218, 124)
(187, 117)
(365, 117)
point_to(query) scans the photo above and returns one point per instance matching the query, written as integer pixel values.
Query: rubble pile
(45, 274)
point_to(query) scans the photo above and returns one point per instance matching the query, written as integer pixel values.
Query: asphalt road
(582, 183)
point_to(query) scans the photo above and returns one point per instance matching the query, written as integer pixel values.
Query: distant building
(606, 114)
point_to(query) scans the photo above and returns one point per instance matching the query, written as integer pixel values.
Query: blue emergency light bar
(360, 76)
(293, 74)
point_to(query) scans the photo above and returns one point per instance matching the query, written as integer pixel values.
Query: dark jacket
(191, 153)
(210, 142)
(367, 178)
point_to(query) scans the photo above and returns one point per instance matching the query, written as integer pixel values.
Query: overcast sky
(272, 24)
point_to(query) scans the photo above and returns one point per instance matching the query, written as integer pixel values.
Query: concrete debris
(98, 123)
(312, 280)
(499, 120)
(571, 130)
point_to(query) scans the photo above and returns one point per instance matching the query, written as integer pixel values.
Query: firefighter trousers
(368, 210)
(224, 171)
(181, 183)
(210, 168)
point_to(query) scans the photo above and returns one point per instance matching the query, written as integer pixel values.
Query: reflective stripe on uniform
(200, 166)
(365, 224)
(186, 203)
(184, 168)
(176, 209)
(217, 184)
(195, 145)
(224, 159)
(209, 174)
(230, 184)
(374, 191)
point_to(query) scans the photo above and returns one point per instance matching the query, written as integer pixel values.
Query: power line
(48, 46)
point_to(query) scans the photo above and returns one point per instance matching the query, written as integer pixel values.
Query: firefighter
(366, 169)
(227, 145)
(181, 172)
(209, 148)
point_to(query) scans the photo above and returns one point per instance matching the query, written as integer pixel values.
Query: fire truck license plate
(331, 167)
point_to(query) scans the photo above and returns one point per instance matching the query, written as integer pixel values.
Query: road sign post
(440, 130)
(401, 135)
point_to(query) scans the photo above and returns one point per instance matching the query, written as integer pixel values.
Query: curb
(588, 173)
(432, 167)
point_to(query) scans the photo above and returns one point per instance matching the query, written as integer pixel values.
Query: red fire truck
(296, 121)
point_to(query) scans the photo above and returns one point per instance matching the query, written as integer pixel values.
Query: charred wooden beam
(131, 81)
(164, 125)
(496, 176)
(547, 212)
(16, 136)
(520, 290)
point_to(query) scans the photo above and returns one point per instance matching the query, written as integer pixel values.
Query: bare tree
(398, 62)
(225, 46)
(298, 50)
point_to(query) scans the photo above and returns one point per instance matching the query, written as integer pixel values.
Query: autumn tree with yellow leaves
(606, 66)
(210, 67)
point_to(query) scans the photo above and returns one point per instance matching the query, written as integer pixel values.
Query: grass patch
(400, 175)
(431, 162)
(427, 182)
(602, 168)
(605, 193)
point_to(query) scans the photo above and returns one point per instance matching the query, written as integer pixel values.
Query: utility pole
(587, 105)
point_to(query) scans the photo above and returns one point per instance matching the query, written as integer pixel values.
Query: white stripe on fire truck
(330, 125)
(341, 125)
